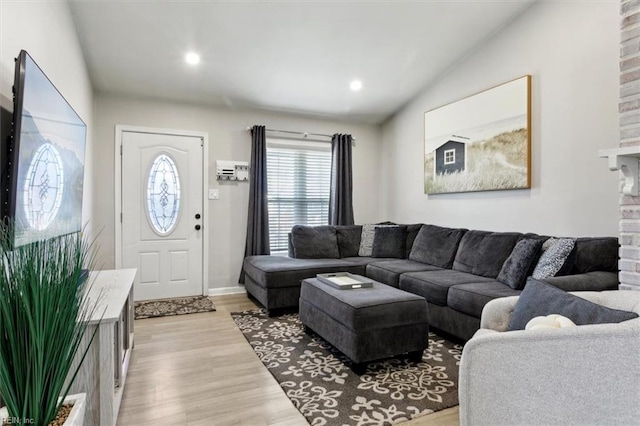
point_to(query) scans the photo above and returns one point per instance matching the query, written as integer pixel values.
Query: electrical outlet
(213, 194)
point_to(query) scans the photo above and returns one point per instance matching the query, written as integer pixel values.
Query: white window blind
(298, 180)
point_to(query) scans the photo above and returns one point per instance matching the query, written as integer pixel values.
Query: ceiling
(291, 56)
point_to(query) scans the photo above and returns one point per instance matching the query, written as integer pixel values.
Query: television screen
(46, 170)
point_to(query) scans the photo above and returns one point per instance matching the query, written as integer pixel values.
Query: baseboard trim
(226, 290)
(628, 287)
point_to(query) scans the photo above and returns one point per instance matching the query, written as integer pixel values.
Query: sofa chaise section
(275, 280)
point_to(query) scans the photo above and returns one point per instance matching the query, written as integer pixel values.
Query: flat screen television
(45, 159)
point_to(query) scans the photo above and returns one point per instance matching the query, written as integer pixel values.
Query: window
(449, 156)
(298, 181)
(163, 194)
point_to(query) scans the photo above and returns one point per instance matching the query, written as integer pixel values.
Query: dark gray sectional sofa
(455, 270)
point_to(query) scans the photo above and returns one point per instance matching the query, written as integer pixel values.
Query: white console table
(104, 371)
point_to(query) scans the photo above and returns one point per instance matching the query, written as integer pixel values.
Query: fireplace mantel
(626, 160)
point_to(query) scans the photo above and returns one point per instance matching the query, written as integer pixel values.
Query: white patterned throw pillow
(555, 253)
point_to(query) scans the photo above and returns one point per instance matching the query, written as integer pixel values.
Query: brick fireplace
(626, 158)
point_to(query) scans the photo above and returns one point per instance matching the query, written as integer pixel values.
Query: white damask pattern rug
(317, 379)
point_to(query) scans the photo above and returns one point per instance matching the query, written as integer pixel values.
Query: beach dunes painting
(480, 143)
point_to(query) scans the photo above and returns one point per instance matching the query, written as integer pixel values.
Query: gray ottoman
(368, 323)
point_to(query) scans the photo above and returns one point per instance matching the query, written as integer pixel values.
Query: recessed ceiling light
(356, 85)
(192, 58)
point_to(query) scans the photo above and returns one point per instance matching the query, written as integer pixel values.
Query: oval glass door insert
(43, 187)
(163, 194)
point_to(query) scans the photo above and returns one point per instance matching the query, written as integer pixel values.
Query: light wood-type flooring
(198, 369)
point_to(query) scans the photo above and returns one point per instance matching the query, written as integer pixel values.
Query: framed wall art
(480, 143)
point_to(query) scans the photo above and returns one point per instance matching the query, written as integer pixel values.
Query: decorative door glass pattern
(43, 187)
(163, 194)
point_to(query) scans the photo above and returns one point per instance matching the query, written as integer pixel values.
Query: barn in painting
(451, 156)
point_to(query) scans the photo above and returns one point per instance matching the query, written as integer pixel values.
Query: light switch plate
(213, 194)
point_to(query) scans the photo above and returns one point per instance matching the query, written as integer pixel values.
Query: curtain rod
(303, 134)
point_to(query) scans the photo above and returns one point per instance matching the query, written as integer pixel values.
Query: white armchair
(585, 375)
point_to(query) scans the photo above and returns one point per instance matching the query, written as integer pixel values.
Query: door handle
(198, 227)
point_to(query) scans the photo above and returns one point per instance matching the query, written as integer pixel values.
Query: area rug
(178, 306)
(317, 379)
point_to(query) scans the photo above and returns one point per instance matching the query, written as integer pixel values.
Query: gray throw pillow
(389, 241)
(556, 251)
(596, 254)
(436, 245)
(349, 239)
(412, 233)
(366, 240)
(516, 268)
(540, 299)
(314, 242)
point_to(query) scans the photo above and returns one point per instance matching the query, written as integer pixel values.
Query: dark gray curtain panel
(258, 217)
(341, 195)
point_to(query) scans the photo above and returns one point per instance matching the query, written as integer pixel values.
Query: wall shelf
(232, 170)
(626, 160)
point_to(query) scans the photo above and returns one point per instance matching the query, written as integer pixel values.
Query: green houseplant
(43, 317)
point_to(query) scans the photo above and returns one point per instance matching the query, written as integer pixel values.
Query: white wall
(45, 29)
(228, 140)
(571, 49)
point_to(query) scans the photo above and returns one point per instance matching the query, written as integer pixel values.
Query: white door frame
(120, 128)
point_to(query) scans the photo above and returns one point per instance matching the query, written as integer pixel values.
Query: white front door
(162, 201)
